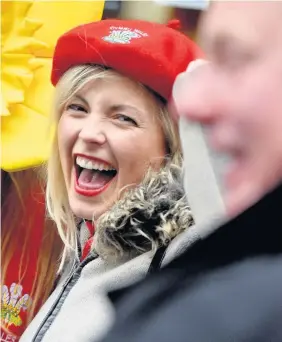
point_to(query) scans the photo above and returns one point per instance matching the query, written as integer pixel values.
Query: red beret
(151, 53)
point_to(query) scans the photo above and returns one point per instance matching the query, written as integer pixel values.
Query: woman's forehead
(116, 87)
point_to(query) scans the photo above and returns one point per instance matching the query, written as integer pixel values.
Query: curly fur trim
(145, 218)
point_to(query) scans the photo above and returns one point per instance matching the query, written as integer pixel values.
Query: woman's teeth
(92, 165)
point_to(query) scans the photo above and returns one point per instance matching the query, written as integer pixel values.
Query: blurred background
(187, 11)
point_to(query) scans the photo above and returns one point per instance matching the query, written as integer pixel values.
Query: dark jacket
(227, 287)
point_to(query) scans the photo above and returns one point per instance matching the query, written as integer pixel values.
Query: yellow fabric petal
(17, 44)
(40, 94)
(59, 17)
(13, 66)
(25, 139)
(4, 107)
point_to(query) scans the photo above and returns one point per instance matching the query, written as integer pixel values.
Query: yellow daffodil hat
(30, 30)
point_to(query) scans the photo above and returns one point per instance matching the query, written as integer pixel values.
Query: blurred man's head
(239, 95)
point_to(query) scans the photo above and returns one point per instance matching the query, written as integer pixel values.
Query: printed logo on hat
(123, 35)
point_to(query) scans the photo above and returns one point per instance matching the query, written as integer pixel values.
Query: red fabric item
(86, 248)
(174, 24)
(90, 227)
(15, 288)
(88, 244)
(151, 53)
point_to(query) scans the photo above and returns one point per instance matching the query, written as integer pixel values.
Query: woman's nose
(93, 130)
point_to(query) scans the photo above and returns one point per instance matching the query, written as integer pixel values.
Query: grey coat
(128, 238)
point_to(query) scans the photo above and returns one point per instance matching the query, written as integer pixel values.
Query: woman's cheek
(68, 131)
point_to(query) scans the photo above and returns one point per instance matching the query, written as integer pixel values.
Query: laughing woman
(114, 177)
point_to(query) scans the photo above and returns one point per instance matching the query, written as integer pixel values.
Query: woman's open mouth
(92, 176)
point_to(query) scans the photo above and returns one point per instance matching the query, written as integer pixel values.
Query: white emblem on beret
(123, 35)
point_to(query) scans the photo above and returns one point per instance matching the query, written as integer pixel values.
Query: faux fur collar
(145, 218)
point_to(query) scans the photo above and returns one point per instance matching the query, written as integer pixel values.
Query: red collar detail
(90, 226)
(87, 247)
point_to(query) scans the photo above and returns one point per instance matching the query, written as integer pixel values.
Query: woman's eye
(75, 107)
(126, 119)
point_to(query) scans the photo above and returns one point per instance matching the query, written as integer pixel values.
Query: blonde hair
(57, 199)
(19, 189)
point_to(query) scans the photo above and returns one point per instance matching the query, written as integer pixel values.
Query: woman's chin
(86, 214)
(86, 210)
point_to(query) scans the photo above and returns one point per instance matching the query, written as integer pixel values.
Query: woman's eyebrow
(125, 107)
(81, 98)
